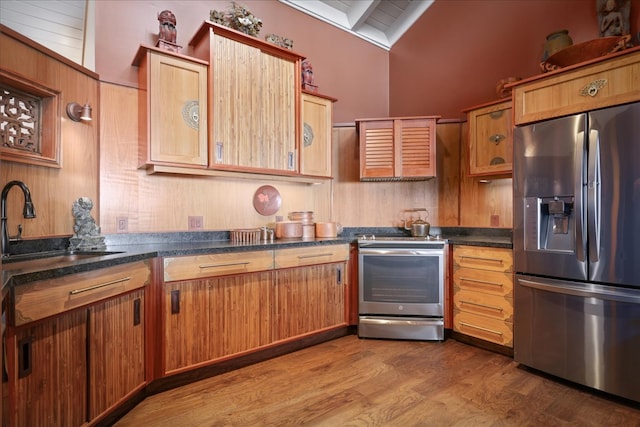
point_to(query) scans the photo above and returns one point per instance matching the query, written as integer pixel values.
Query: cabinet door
(376, 149)
(254, 97)
(187, 315)
(240, 313)
(177, 106)
(50, 372)
(415, 147)
(315, 150)
(491, 140)
(308, 299)
(116, 351)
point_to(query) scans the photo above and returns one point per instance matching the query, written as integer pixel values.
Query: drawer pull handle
(490, 307)
(315, 255)
(475, 258)
(229, 264)
(484, 282)
(491, 331)
(98, 286)
(592, 88)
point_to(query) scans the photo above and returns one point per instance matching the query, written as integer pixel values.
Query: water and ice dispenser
(549, 224)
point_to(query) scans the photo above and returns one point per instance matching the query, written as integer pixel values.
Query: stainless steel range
(401, 287)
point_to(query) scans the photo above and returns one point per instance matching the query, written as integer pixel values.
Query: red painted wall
(345, 67)
(449, 60)
(454, 55)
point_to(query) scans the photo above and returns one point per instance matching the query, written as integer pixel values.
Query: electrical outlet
(495, 220)
(195, 223)
(122, 224)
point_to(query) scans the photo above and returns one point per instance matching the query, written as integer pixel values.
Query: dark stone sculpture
(86, 232)
(613, 17)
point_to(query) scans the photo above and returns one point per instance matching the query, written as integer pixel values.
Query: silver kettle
(419, 227)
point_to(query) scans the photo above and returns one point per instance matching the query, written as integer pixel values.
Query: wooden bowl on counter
(289, 230)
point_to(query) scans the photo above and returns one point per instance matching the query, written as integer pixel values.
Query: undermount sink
(49, 258)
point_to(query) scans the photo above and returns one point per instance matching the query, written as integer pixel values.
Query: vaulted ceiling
(381, 22)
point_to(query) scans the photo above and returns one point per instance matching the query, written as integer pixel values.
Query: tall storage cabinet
(255, 90)
(172, 109)
(491, 139)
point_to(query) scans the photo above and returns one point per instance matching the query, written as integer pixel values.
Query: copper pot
(328, 229)
(289, 230)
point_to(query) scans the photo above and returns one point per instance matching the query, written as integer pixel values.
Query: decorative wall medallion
(267, 200)
(307, 135)
(191, 114)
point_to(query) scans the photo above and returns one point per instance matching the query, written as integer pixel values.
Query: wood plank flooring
(364, 382)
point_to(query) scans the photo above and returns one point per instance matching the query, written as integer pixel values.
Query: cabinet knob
(496, 138)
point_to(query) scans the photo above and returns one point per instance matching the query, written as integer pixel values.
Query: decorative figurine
(307, 77)
(168, 34)
(613, 17)
(86, 232)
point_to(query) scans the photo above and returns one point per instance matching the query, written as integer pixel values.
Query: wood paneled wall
(53, 190)
(452, 198)
(163, 203)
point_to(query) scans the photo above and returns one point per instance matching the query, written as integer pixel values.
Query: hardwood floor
(358, 382)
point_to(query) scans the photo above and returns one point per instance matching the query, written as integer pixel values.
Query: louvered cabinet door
(416, 148)
(376, 149)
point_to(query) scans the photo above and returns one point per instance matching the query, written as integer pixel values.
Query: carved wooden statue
(613, 17)
(167, 21)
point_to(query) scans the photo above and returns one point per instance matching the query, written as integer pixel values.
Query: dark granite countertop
(127, 248)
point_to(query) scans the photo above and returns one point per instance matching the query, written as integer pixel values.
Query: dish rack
(247, 235)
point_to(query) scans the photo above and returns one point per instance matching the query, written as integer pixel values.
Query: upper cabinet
(317, 130)
(172, 108)
(254, 98)
(400, 148)
(491, 139)
(603, 83)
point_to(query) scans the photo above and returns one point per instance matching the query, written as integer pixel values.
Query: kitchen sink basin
(39, 260)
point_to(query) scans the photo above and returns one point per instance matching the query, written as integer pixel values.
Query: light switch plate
(122, 224)
(195, 223)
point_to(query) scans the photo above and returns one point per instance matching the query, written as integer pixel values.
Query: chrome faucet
(28, 211)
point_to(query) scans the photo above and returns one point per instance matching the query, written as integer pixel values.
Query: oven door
(401, 282)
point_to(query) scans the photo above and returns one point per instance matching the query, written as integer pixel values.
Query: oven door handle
(399, 251)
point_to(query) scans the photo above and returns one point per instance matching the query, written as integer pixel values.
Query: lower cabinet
(308, 299)
(72, 367)
(483, 293)
(234, 312)
(211, 318)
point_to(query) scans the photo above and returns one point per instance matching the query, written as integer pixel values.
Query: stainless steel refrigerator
(576, 196)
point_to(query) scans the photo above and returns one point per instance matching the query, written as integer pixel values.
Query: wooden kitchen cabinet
(255, 90)
(317, 131)
(173, 109)
(605, 83)
(401, 148)
(116, 351)
(483, 293)
(491, 139)
(75, 362)
(312, 295)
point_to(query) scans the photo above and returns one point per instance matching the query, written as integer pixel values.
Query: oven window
(401, 279)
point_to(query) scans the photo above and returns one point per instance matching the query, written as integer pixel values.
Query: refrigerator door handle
(579, 163)
(585, 291)
(593, 196)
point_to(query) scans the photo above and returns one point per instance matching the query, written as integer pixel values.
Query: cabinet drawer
(494, 259)
(493, 306)
(482, 327)
(595, 86)
(45, 298)
(201, 266)
(311, 255)
(489, 282)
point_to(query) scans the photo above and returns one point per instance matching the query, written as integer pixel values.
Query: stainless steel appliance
(401, 288)
(577, 248)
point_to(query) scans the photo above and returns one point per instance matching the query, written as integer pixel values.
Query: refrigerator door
(549, 173)
(582, 332)
(613, 195)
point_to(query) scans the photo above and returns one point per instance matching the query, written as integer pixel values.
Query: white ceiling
(381, 22)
